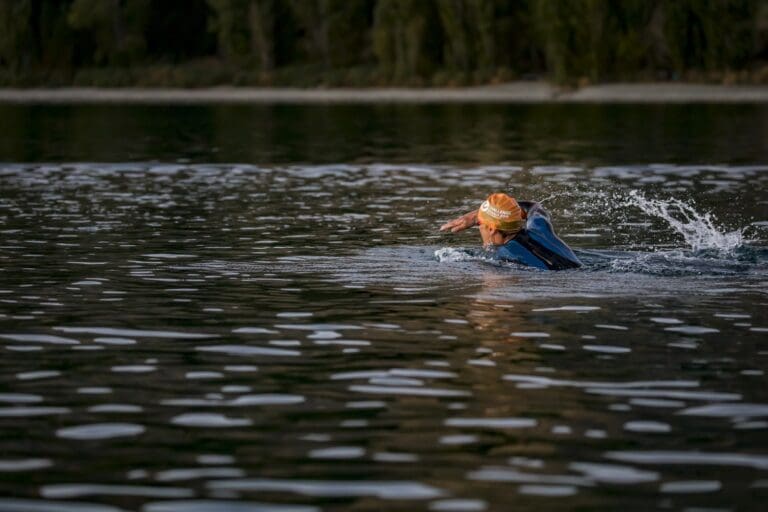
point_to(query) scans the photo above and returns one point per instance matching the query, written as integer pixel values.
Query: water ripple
(409, 391)
(491, 422)
(209, 420)
(40, 338)
(547, 381)
(56, 491)
(19, 411)
(247, 350)
(741, 410)
(386, 490)
(691, 458)
(14, 465)
(222, 506)
(29, 505)
(137, 298)
(134, 333)
(97, 431)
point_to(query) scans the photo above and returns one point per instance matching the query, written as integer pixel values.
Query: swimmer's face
(490, 236)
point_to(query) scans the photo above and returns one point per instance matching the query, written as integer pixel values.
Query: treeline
(378, 42)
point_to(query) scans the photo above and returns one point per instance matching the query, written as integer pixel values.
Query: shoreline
(513, 92)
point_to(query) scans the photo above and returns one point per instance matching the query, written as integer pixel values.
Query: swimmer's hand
(464, 222)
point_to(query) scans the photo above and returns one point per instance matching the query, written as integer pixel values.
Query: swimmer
(520, 232)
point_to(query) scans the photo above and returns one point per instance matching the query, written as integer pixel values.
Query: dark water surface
(250, 309)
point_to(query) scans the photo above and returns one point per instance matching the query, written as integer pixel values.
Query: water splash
(454, 255)
(476, 254)
(698, 230)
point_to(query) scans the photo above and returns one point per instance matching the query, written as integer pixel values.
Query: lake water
(238, 308)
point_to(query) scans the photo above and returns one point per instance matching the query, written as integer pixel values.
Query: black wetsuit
(536, 245)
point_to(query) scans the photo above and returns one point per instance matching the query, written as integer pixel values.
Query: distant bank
(515, 92)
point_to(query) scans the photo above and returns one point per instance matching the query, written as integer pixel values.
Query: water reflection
(392, 133)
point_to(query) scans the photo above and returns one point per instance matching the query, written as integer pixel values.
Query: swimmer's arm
(460, 224)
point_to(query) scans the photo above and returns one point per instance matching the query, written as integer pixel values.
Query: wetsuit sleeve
(542, 239)
(537, 219)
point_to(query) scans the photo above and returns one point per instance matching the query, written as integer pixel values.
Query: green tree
(469, 30)
(406, 39)
(595, 39)
(247, 31)
(56, 40)
(230, 24)
(400, 41)
(15, 34)
(261, 23)
(335, 31)
(116, 27)
(710, 35)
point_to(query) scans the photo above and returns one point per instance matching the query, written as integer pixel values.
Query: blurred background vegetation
(195, 43)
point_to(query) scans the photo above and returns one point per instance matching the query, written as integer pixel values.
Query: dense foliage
(378, 42)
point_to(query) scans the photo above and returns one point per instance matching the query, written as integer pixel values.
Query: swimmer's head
(501, 212)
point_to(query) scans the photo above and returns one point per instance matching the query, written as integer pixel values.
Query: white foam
(698, 230)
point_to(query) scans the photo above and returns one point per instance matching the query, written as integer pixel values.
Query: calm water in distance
(239, 308)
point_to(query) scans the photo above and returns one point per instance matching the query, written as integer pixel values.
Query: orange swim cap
(501, 212)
